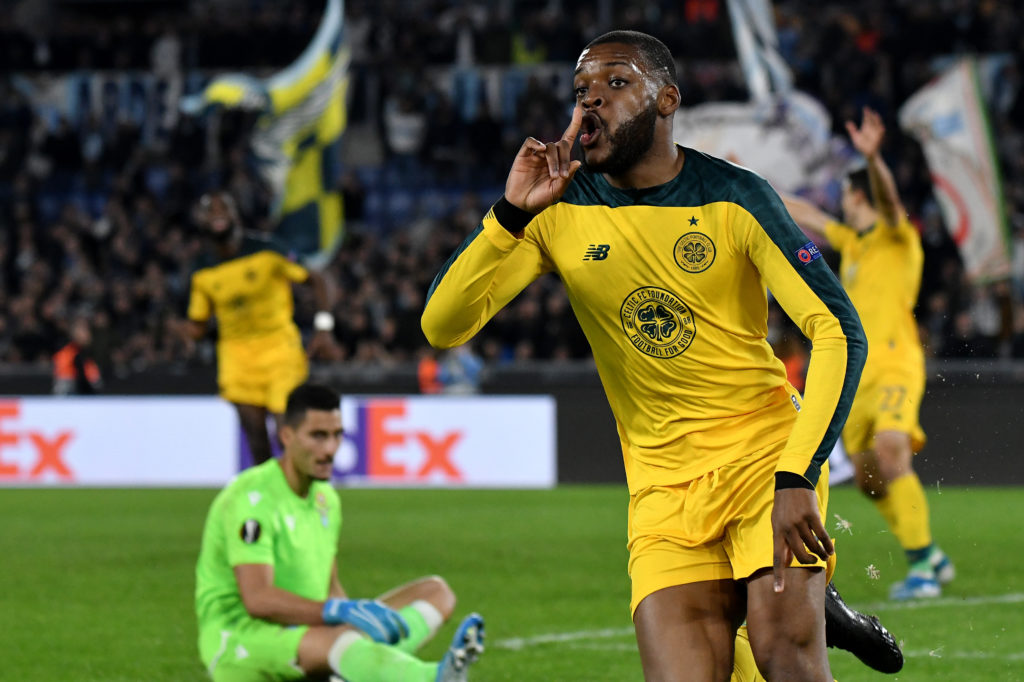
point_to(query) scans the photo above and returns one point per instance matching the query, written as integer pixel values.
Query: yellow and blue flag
(296, 143)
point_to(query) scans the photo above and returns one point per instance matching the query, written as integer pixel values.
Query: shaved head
(656, 57)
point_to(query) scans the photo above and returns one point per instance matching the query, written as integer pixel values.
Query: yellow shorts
(887, 400)
(261, 372)
(744, 667)
(717, 527)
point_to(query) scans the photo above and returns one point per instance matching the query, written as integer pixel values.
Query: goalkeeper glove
(381, 623)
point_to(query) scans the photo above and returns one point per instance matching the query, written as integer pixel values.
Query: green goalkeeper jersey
(258, 519)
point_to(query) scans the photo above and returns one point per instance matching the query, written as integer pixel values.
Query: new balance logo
(597, 252)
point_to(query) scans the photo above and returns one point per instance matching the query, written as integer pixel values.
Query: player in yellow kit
(880, 267)
(666, 254)
(247, 286)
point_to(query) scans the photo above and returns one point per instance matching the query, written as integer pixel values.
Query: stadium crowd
(95, 214)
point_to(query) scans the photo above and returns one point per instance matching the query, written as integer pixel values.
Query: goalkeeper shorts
(252, 650)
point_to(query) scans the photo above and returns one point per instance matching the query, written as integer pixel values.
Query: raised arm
(486, 272)
(868, 141)
(805, 214)
(501, 257)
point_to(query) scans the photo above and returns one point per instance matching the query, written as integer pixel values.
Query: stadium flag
(753, 30)
(783, 134)
(296, 143)
(948, 118)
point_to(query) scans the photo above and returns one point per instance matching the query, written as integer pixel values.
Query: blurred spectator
(94, 205)
(75, 372)
(795, 356)
(428, 372)
(456, 371)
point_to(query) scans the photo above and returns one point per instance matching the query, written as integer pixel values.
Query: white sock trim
(340, 646)
(430, 614)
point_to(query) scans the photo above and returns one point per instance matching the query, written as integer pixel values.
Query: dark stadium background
(95, 211)
(96, 585)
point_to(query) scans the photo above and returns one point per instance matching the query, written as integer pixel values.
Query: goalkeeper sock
(424, 621)
(912, 529)
(358, 659)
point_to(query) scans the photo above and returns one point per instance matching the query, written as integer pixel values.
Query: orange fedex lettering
(49, 451)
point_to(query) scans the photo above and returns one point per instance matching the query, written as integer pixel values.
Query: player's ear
(669, 99)
(286, 433)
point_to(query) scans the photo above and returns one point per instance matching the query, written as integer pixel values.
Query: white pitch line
(1011, 598)
(560, 637)
(941, 653)
(516, 643)
(589, 645)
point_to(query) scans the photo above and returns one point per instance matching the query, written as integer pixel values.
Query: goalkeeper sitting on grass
(268, 599)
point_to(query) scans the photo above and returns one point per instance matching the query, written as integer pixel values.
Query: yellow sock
(887, 509)
(744, 669)
(912, 527)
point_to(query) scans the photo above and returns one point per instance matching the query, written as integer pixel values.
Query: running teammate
(247, 286)
(880, 267)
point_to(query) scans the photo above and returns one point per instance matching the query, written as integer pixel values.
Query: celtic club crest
(694, 252)
(657, 322)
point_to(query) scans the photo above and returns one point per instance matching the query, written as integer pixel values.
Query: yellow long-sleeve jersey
(250, 294)
(881, 271)
(669, 286)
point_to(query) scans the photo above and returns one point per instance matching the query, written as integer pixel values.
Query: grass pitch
(97, 584)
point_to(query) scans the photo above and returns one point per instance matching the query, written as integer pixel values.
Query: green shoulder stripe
(458, 252)
(703, 180)
(755, 195)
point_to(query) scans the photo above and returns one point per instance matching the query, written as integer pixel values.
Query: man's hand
(381, 623)
(797, 528)
(541, 172)
(323, 347)
(188, 332)
(868, 138)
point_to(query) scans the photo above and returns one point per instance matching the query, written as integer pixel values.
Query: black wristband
(787, 479)
(512, 218)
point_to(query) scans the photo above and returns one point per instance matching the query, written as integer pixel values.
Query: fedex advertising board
(111, 441)
(474, 441)
(415, 441)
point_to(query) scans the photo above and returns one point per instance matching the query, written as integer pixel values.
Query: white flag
(789, 144)
(781, 133)
(948, 118)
